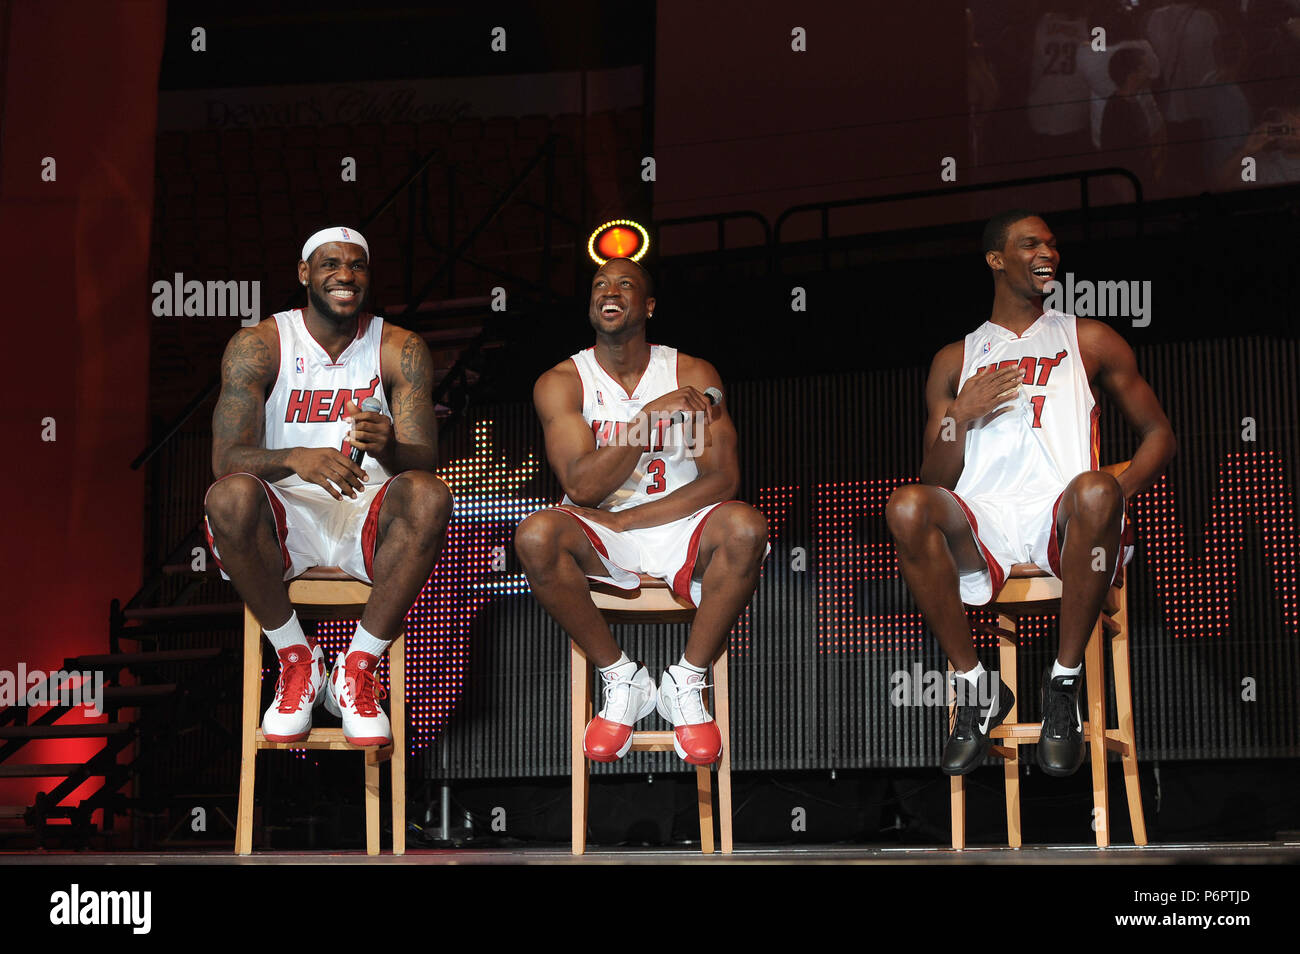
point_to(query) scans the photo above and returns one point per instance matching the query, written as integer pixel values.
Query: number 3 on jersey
(656, 471)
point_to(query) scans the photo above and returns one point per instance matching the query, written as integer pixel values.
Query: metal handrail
(721, 218)
(1082, 175)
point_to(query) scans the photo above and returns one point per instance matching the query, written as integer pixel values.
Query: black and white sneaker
(1060, 746)
(969, 740)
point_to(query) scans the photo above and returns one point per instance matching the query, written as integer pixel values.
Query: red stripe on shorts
(370, 530)
(277, 511)
(996, 576)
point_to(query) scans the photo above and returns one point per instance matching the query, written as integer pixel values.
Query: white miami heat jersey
(1049, 433)
(305, 408)
(605, 406)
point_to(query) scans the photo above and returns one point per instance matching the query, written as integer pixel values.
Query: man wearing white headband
(323, 445)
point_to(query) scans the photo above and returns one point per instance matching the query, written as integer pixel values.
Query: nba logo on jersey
(298, 364)
(988, 346)
(599, 399)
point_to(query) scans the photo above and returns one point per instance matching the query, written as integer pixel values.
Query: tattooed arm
(247, 370)
(409, 383)
(239, 421)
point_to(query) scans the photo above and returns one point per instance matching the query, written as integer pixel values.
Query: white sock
(1059, 670)
(690, 667)
(972, 676)
(290, 634)
(363, 642)
(621, 661)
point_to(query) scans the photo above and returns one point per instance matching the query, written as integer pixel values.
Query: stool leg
(1124, 713)
(704, 796)
(1010, 765)
(397, 762)
(1095, 674)
(580, 715)
(372, 800)
(248, 732)
(722, 712)
(956, 783)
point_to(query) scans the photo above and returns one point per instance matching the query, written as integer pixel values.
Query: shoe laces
(293, 685)
(966, 721)
(620, 686)
(1061, 712)
(690, 699)
(363, 689)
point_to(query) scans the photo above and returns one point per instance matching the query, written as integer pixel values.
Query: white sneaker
(681, 701)
(351, 694)
(629, 698)
(300, 689)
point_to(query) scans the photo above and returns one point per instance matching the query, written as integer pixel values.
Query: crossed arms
(589, 473)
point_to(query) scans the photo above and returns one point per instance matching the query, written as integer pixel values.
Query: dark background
(479, 170)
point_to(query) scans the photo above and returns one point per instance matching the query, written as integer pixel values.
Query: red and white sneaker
(351, 694)
(300, 689)
(629, 698)
(681, 701)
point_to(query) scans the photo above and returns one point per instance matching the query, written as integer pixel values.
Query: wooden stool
(1030, 591)
(654, 602)
(325, 593)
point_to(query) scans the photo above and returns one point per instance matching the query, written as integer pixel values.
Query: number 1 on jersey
(1037, 402)
(656, 470)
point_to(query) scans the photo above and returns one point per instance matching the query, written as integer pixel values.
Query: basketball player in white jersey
(1009, 475)
(289, 497)
(638, 501)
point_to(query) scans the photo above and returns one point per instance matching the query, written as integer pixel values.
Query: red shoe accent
(295, 679)
(606, 741)
(359, 673)
(699, 744)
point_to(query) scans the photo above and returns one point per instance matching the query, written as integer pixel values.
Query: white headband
(335, 234)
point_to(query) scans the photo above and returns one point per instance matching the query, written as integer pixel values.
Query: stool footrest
(323, 739)
(656, 741)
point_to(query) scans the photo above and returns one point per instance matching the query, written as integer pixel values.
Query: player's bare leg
(243, 531)
(934, 543)
(1088, 526)
(558, 557)
(412, 525)
(412, 528)
(732, 546)
(731, 554)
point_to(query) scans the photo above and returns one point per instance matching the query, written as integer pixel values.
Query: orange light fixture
(620, 238)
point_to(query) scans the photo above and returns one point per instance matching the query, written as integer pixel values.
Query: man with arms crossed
(289, 495)
(1010, 476)
(637, 502)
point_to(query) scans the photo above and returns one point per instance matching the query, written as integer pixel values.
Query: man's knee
(907, 512)
(1096, 496)
(422, 501)
(744, 530)
(235, 505)
(537, 538)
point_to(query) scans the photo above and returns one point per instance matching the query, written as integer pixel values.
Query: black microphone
(369, 404)
(714, 396)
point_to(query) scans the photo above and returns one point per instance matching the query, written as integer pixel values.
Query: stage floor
(1197, 854)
